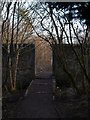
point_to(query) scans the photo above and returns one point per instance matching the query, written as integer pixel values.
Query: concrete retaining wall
(26, 65)
(73, 66)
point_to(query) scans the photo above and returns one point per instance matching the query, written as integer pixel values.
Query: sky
(76, 22)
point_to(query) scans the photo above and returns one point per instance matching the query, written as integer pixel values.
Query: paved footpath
(38, 102)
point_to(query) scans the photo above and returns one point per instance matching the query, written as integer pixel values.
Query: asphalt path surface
(38, 100)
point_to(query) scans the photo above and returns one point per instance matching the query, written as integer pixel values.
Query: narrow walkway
(38, 102)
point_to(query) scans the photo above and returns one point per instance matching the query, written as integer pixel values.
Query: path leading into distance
(38, 102)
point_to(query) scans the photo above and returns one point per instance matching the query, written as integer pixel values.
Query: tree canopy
(74, 10)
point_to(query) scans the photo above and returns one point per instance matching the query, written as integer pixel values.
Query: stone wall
(26, 65)
(43, 56)
(73, 66)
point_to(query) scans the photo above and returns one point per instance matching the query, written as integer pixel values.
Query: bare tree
(16, 29)
(56, 28)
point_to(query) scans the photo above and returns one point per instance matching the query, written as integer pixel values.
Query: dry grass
(9, 103)
(69, 105)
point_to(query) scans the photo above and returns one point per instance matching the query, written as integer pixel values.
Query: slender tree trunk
(15, 69)
(86, 67)
(12, 53)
